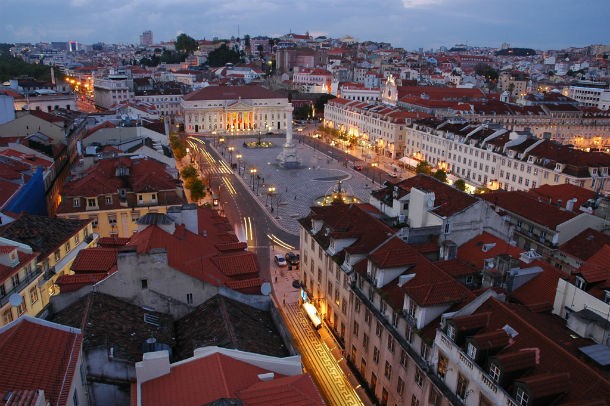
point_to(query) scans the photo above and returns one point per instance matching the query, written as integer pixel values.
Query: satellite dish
(15, 299)
(265, 289)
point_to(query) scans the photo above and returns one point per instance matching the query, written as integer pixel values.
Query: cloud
(420, 3)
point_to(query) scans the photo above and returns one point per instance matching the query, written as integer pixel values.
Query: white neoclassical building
(235, 110)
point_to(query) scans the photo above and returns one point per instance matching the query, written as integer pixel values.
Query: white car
(279, 260)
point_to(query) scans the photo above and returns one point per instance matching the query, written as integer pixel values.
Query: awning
(313, 314)
(409, 161)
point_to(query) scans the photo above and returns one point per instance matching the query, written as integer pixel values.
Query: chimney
(153, 365)
(266, 377)
(570, 204)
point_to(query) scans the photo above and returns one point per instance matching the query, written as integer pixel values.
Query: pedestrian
(295, 197)
(276, 278)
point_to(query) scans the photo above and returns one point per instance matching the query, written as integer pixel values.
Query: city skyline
(410, 24)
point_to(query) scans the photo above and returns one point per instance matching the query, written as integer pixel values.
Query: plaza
(291, 192)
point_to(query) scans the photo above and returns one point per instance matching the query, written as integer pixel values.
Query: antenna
(265, 288)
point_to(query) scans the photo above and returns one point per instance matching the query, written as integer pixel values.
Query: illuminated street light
(238, 157)
(252, 174)
(231, 149)
(270, 193)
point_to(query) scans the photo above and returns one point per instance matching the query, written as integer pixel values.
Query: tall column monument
(288, 157)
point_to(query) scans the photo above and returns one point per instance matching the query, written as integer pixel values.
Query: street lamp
(270, 193)
(231, 149)
(375, 165)
(238, 157)
(252, 174)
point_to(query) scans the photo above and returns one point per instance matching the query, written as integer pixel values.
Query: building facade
(492, 157)
(235, 110)
(375, 127)
(361, 297)
(116, 192)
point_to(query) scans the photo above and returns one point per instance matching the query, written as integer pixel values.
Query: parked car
(292, 258)
(279, 260)
(358, 167)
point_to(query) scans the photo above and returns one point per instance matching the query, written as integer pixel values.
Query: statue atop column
(288, 157)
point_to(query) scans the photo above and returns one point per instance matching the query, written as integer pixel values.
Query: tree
(460, 185)
(423, 167)
(178, 147)
(11, 68)
(186, 44)
(441, 175)
(223, 55)
(188, 172)
(197, 189)
(483, 69)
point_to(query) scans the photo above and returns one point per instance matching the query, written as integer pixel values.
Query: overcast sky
(540, 24)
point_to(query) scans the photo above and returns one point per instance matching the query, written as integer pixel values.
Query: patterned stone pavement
(318, 360)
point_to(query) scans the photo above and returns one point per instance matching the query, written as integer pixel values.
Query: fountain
(337, 195)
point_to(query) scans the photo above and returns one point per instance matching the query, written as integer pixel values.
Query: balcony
(478, 377)
(21, 286)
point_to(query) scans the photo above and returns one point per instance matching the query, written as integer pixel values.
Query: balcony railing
(453, 351)
(21, 286)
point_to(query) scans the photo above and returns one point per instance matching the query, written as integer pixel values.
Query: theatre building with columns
(235, 110)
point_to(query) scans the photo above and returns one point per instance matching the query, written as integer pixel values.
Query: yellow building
(115, 192)
(34, 252)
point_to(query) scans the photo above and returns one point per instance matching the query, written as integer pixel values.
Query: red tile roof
(428, 287)
(110, 242)
(229, 378)
(96, 259)
(71, 283)
(541, 289)
(457, 268)
(7, 271)
(553, 344)
(105, 124)
(597, 268)
(145, 175)
(586, 244)
(197, 256)
(7, 191)
(563, 192)
(525, 205)
(447, 200)
(51, 118)
(393, 253)
(485, 246)
(232, 93)
(27, 361)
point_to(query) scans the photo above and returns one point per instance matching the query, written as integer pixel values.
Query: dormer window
(76, 202)
(91, 203)
(108, 200)
(580, 282)
(521, 397)
(494, 372)
(472, 351)
(451, 332)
